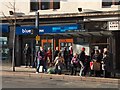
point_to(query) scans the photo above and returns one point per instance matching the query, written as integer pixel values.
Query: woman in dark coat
(107, 64)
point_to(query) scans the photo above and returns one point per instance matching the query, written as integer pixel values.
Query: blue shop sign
(58, 28)
(4, 28)
(25, 30)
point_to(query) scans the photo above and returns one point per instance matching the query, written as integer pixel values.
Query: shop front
(4, 38)
(25, 35)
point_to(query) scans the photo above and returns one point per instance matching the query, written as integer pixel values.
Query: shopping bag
(103, 66)
(41, 69)
(96, 66)
(91, 65)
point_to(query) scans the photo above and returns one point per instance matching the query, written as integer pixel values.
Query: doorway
(31, 43)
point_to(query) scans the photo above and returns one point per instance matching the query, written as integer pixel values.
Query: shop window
(117, 2)
(34, 6)
(5, 50)
(56, 4)
(3, 41)
(106, 3)
(110, 2)
(45, 4)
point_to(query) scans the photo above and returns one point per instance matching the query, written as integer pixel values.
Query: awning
(4, 28)
(82, 34)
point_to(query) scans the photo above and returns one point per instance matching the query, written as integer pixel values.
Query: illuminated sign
(114, 25)
(25, 30)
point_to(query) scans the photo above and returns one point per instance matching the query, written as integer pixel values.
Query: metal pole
(37, 24)
(37, 20)
(13, 51)
(53, 49)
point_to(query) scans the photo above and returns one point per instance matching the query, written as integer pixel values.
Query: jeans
(38, 64)
(82, 68)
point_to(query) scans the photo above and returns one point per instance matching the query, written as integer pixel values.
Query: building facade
(61, 23)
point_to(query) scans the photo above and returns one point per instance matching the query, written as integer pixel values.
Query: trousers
(81, 69)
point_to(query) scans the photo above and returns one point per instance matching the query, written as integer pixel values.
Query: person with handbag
(96, 63)
(59, 61)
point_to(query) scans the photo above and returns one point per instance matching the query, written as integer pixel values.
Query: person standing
(101, 57)
(96, 63)
(70, 55)
(49, 55)
(82, 58)
(106, 63)
(74, 64)
(56, 53)
(65, 55)
(59, 61)
(44, 60)
(39, 60)
(27, 54)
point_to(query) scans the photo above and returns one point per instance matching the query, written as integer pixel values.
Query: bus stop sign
(37, 38)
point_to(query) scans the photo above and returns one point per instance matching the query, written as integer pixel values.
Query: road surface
(33, 82)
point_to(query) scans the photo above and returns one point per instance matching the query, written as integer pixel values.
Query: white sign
(114, 25)
(41, 30)
(26, 31)
(78, 47)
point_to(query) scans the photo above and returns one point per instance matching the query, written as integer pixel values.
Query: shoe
(36, 72)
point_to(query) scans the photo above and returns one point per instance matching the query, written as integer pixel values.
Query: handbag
(91, 65)
(41, 69)
(96, 66)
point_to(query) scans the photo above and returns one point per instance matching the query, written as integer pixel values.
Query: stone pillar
(112, 49)
(17, 52)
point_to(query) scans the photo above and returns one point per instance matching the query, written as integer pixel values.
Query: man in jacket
(27, 54)
(81, 58)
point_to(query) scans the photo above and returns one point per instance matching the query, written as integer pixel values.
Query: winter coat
(82, 56)
(107, 62)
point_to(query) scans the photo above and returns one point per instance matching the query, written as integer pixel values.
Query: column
(17, 52)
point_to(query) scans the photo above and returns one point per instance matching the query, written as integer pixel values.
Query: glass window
(3, 40)
(110, 2)
(56, 4)
(34, 6)
(117, 2)
(45, 4)
(106, 3)
(69, 44)
(62, 44)
(5, 50)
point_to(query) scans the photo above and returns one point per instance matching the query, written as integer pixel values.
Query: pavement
(30, 73)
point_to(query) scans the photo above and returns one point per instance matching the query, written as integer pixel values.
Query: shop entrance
(31, 42)
(47, 43)
(65, 43)
(99, 43)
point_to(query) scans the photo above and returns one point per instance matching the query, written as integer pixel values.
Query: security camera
(79, 9)
(11, 12)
